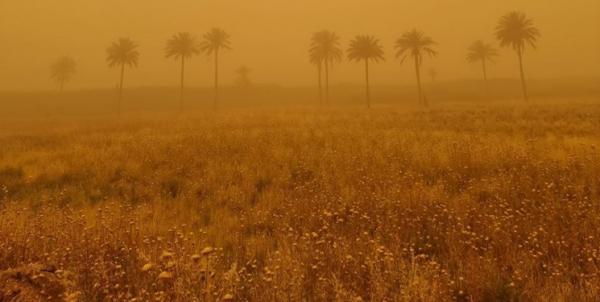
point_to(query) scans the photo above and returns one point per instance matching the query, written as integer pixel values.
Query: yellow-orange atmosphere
(151, 184)
(271, 37)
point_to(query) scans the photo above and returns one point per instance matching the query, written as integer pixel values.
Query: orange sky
(271, 37)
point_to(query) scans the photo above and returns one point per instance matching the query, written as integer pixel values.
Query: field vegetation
(454, 203)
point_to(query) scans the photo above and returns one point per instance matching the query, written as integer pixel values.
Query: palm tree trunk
(418, 72)
(523, 83)
(216, 78)
(367, 82)
(327, 81)
(485, 79)
(182, 84)
(320, 69)
(121, 88)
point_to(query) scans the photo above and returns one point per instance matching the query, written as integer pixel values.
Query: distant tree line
(514, 30)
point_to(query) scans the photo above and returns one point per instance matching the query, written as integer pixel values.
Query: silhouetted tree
(62, 71)
(243, 77)
(214, 41)
(416, 45)
(122, 53)
(516, 30)
(366, 48)
(483, 52)
(315, 59)
(325, 47)
(181, 46)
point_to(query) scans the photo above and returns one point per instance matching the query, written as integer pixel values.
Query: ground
(454, 203)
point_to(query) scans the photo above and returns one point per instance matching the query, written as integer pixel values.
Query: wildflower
(166, 256)
(147, 267)
(165, 275)
(207, 251)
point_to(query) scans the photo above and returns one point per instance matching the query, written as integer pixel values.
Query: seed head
(207, 251)
(147, 267)
(165, 275)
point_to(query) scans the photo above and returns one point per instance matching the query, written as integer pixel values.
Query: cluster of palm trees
(124, 53)
(62, 71)
(514, 30)
(325, 50)
(181, 46)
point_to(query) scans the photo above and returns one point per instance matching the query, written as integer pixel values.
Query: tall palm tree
(481, 51)
(214, 41)
(315, 59)
(122, 53)
(62, 70)
(181, 46)
(325, 45)
(517, 31)
(366, 48)
(416, 45)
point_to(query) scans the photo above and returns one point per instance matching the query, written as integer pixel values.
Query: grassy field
(470, 203)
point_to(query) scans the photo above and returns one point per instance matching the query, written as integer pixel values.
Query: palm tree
(366, 48)
(481, 51)
(214, 41)
(416, 45)
(62, 71)
(315, 59)
(516, 30)
(325, 47)
(181, 46)
(122, 53)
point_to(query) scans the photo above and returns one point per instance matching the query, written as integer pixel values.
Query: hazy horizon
(34, 33)
(291, 179)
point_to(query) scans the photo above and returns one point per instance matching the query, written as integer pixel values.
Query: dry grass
(487, 204)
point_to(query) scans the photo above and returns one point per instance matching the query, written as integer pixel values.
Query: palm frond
(480, 51)
(63, 69)
(365, 48)
(181, 45)
(215, 40)
(123, 52)
(325, 48)
(416, 44)
(516, 30)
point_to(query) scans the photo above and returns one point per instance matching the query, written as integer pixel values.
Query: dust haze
(271, 38)
(299, 150)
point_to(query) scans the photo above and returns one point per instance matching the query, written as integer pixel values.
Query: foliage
(63, 70)
(365, 48)
(414, 44)
(181, 45)
(516, 30)
(122, 52)
(325, 48)
(215, 40)
(476, 204)
(481, 51)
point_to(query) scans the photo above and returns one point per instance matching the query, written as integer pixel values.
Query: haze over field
(299, 150)
(271, 37)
